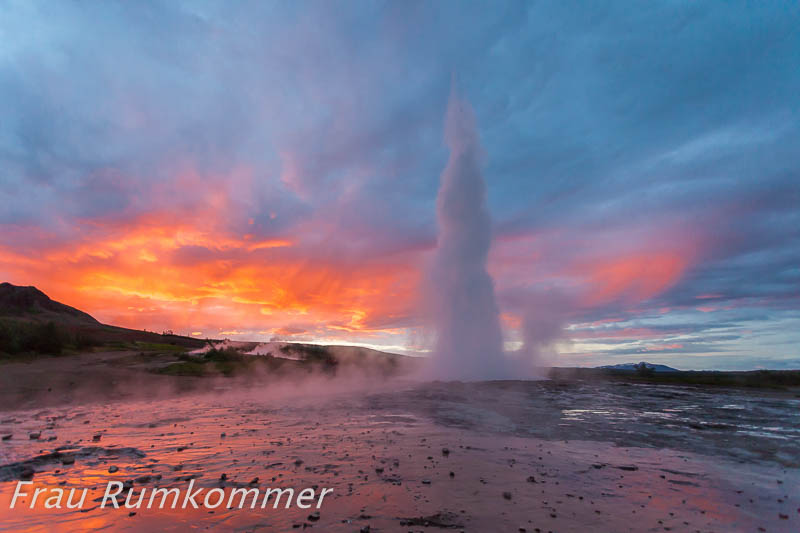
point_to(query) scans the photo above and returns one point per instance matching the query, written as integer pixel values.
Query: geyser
(469, 343)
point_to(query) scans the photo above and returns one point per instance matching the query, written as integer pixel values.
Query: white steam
(469, 343)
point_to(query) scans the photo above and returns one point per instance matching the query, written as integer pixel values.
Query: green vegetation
(24, 337)
(232, 362)
(45, 338)
(158, 347)
(227, 362)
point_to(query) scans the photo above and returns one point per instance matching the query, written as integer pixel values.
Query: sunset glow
(281, 182)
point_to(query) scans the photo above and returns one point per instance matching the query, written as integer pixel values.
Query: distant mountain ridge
(31, 303)
(633, 367)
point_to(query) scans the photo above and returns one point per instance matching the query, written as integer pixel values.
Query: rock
(7, 437)
(26, 473)
(68, 460)
(35, 435)
(254, 481)
(531, 479)
(426, 481)
(507, 495)
(97, 437)
(365, 529)
(223, 477)
(628, 468)
(112, 469)
(452, 474)
(442, 520)
(313, 517)
(445, 452)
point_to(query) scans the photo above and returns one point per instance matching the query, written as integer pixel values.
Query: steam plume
(469, 341)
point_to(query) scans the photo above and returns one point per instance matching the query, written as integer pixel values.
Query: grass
(26, 337)
(227, 362)
(159, 347)
(230, 362)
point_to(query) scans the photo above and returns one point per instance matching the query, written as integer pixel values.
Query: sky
(268, 170)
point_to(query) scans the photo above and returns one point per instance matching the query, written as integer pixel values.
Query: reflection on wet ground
(748, 425)
(505, 456)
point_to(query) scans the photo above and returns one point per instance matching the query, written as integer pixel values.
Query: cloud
(234, 167)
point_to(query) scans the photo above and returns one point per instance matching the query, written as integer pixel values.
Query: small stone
(445, 452)
(68, 460)
(112, 469)
(35, 435)
(507, 495)
(7, 437)
(531, 479)
(426, 481)
(96, 438)
(313, 517)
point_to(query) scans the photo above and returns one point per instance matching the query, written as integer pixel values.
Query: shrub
(17, 336)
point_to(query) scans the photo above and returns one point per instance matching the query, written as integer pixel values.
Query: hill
(32, 304)
(636, 367)
(32, 323)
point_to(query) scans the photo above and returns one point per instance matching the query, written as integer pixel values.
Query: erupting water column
(469, 342)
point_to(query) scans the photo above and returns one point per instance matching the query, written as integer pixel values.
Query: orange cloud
(634, 277)
(180, 271)
(662, 347)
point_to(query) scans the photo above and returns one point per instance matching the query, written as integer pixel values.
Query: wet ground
(507, 456)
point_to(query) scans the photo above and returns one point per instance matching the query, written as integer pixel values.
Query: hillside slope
(31, 322)
(32, 304)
